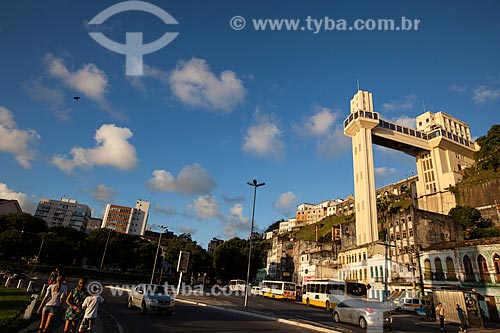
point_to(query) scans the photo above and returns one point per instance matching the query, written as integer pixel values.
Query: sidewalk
(454, 327)
(104, 323)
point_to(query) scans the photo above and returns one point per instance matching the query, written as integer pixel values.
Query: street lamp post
(39, 250)
(157, 251)
(105, 248)
(255, 184)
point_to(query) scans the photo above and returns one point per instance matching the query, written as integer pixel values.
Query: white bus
(278, 289)
(326, 293)
(237, 285)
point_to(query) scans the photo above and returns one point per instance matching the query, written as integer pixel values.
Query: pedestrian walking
(461, 316)
(440, 313)
(90, 305)
(51, 303)
(53, 276)
(74, 312)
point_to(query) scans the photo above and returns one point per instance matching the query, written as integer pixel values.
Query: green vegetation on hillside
(487, 160)
(308, 232)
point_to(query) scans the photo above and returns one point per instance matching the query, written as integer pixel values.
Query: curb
(261, 316)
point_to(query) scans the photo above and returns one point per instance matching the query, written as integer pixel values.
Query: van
(412, 304)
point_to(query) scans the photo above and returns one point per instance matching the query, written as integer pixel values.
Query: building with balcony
(127, 220)
(64, 213)
(466, 264)
(214, 244)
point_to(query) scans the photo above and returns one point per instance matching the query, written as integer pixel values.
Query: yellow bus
(278, 289)
(326, 293)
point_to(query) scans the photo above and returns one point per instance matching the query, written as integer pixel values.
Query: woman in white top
(51, 303)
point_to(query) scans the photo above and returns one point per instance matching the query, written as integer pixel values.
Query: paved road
(191, 318)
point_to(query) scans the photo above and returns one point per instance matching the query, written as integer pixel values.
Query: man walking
(461, 316)
(440, 313)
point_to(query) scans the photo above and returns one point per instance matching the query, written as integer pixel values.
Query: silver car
(363, 313)
(151, 297)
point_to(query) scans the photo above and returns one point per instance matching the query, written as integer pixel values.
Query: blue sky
(218, 107)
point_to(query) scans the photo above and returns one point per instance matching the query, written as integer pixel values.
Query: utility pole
(386, 285)
(421, 282)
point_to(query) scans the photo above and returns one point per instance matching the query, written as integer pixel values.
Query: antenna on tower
(423, 105)
(357, 81)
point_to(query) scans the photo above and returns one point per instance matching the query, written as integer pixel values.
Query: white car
(256, 291)
(151, 298)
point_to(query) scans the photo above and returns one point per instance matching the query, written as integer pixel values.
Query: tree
(466, 215)
(22, 222)
(488, 156)
(275, 225)
(231, 258)
(199, 262)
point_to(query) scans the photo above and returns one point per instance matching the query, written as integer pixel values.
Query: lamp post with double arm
(163, 228)
(255, 184)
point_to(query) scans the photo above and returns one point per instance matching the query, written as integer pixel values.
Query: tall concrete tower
(441, 144)
(359, 127)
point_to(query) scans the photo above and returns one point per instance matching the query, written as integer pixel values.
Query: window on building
(450, 270)
(427, 269)
(469, 272)
(439, 269)
(483, 269)
(496, 263)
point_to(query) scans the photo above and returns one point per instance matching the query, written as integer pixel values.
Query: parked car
(412, 304)
(363, 313)
(151, 298)
(256, 291)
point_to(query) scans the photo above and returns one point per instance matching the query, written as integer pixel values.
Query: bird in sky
(76, 98)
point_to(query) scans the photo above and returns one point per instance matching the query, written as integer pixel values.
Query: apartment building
(127, 220)
(64, 213)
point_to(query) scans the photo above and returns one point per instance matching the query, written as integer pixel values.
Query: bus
(326, 293)
(237, 285)
(278, 289)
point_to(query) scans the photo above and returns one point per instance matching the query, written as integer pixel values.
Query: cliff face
(485, 196)
(482, 194)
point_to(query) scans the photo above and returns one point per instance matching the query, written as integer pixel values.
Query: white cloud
(196, 85)
(53, 97)
(236, 221)
(187, 230)
(103, 194)
(26, 204)
(286, 203)
(405, 121)
(334, 144)
(264, 138)
(205, 206)
(237, 199)
(402, 104)
(89, 80)
(139, 82)
(16, 141)
(112, 149)
(167, 211)
(385, 171)
(458, 88)
(484, 94)
(320, 123)
(193, 179)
